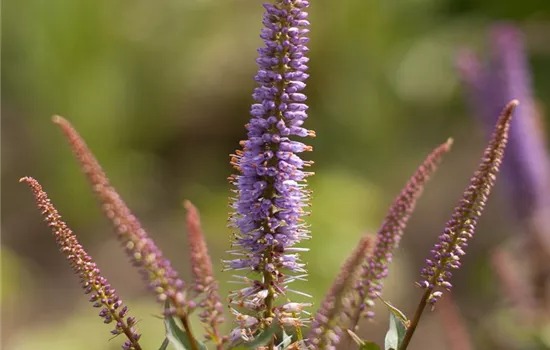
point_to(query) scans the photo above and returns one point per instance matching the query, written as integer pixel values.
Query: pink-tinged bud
(205, 284)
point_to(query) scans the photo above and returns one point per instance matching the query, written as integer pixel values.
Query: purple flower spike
(389, 235)
(326, 330)
(102, 295)
(446, 254)
(270, 184)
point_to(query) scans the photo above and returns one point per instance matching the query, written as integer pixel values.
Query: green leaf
(395, 334)
(176, 336)
(164, 344)
(355, 338)
(363, 344)
(394, 310)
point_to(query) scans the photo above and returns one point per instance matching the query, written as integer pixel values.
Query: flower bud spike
(205, 284)
(163, 279)
(332, 311)
(446, 254)
(102, 295)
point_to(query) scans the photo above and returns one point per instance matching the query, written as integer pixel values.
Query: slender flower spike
(447, 253)
(205, 284)
(163, 279)
(270, 184)
(101, 294)
(326, 330)
(389, 235)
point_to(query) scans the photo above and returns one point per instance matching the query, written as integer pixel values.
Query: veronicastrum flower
(101, 293)
(270, 185)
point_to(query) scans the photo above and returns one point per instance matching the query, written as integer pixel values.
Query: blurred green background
(161, 90)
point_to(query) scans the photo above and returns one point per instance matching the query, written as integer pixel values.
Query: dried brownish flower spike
(162, 278)
(205, 284)
(326, 330)
(101, 293)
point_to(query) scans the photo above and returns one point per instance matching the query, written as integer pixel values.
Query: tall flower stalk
(446, 254)
(102, 295)
(270, 184)
(163, 279)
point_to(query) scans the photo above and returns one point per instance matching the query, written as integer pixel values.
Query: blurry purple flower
(507, 77)
(447, 253)
(270, 187)
(527, 171)
(101, 293)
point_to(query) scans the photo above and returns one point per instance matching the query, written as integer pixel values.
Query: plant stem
(187, 326)
(416, 319)
(268, 280)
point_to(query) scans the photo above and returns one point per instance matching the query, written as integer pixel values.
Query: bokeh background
(161, 90)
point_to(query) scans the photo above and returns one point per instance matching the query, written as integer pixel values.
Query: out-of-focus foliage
(161, 91)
